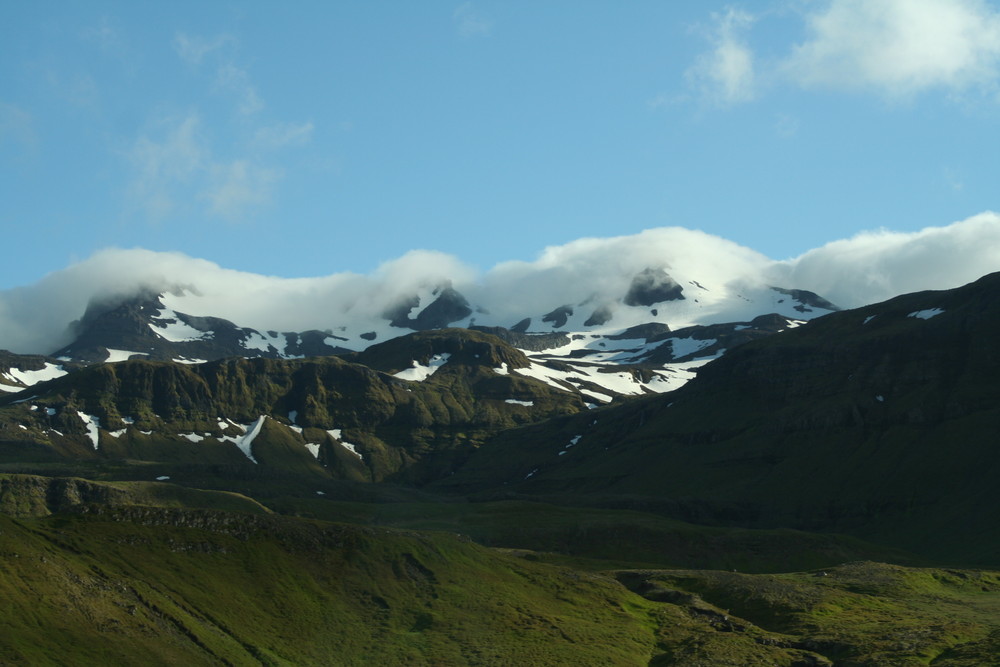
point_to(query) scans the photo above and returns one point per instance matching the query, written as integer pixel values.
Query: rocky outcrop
(651, 286)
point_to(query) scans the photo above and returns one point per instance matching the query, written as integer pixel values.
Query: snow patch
(28, 378)
(418, 372)
(162, 478)
(313, 448)
(245, 441)
(93, 424)
(176, 331)
(257, 341)
(869, 319)
(527, 404)
(122, 355)
(335, 434)
(926, 314)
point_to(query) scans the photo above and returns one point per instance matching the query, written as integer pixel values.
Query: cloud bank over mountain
(867, 268)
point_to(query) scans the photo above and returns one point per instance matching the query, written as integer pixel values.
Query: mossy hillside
(870, 422)
(35, 495)
(861, 613)
(147, 586)
(602, 538)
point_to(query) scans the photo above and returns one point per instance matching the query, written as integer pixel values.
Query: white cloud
(899, 47)
(867, 268)
(283, 135)
(874, 266)
(469, 22)
(726, 74)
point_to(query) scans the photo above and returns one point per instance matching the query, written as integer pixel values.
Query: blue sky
(315, 137)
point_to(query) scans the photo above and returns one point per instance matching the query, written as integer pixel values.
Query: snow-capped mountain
(650, 337)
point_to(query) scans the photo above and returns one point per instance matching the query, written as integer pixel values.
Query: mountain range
(676, 425)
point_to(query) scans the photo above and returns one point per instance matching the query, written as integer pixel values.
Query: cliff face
(362, 423)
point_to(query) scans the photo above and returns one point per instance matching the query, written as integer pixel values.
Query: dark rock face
(807, 300)
(559, 316)
(651, 286)
(136, 325)
(449, 306)
(521, 326)
(601, 315)
(647, 331)
(533, 342)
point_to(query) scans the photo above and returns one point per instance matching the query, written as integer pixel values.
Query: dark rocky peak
(559, 316)
(651, 286)
(464, 347)
(601, 315)
(649, 331)
(807, 300)
(534, 342)
(448, 306)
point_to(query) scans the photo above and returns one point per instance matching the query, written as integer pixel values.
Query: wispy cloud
(470, 22)
(163, 165)
(106, 35)
(284, 135)
(236, 81)
(192, 49)
(17, 126)
(726, 74)
(238, 187)
(178, 167)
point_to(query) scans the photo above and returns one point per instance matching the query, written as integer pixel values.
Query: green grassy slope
(155, 586)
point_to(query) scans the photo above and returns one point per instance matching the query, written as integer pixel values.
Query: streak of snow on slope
(514, 401)
(6, 387)
(245, 441)
(175, 330)
(193, 437)
(128, 421)
(335, 434)
(122, 355)
(926, 314)
(418, 372)
(93, 424)
(313, 448)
